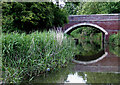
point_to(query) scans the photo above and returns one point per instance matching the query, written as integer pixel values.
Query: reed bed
(29, 55)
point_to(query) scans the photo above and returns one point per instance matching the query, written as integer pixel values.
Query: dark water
(94, 63)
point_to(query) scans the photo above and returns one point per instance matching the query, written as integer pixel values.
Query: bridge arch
(85, 24)
(92, 61)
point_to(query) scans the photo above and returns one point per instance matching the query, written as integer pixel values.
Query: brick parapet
(100, 17)
(106, 21)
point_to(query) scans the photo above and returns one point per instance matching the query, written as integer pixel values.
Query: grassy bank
(26, 56)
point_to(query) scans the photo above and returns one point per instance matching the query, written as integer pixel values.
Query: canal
(94, 63)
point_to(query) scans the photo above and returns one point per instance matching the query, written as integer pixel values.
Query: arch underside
(70, 29)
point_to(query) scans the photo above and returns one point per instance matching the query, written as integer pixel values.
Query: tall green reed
(33, 54)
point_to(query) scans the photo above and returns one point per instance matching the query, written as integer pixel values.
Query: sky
(61, 2)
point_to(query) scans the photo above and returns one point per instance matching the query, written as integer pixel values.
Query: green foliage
(86, 32)
(115, 50)
(30, 16)
(94, 8)
(89, 41)
(60, 17)
(113, 7)
(80, 8)
(115, 39)
(96, 78)
(88, 48)
(31, 55)
(73, 7)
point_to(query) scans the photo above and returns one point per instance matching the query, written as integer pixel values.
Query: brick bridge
(107, 23)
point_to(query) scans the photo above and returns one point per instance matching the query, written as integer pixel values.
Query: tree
(32, 16)
(80, 8)
(114, 7)
(93, 8)
(73, 7)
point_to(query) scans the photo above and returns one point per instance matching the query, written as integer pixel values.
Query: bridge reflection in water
(103, 61)
(99, 66)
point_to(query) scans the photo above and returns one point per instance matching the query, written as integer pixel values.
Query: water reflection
(69, 75)
(89, 57)
(101, 65)
(89, 48)
(75, 78)
(93, 77)
(89, 52)
(59, 76)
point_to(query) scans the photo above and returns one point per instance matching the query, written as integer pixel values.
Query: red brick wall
(107, 21)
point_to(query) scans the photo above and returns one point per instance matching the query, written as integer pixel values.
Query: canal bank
(105, 70)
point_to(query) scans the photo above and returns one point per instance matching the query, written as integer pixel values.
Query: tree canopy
(80, 8)
(29, 16)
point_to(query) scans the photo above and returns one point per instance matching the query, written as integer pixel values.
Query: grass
(27, 56)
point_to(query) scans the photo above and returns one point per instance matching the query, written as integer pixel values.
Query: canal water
(94, 63)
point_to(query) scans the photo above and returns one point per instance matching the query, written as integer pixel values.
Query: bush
(114, 39)
(115, 50)
(33, 54)
(31, 16)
